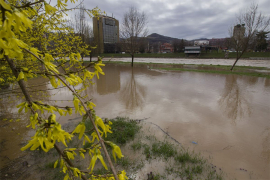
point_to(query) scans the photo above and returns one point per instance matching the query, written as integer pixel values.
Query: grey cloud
(188, 19)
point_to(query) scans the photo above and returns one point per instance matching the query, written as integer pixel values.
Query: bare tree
(248, 23)
(83, 29)
(175, 44)
(132, 30)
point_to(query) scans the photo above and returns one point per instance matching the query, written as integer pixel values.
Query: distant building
(106, 33)
(201, 43)
(239, 31)
(217, 42)
(221, 43)
(192, 50)
(166, 48)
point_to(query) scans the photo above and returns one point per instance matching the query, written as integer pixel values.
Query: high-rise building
(239, 31)
(106, 33)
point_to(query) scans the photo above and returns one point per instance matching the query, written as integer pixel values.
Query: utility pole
(82, 21)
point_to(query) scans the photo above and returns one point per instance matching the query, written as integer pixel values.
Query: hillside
(155, 38)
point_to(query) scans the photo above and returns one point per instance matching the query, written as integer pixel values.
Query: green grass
(187, 157)
(125, 162)
(164, 149)
(183, 163)
(101, 171)
(147, 151)
(214, 69)
(124, 130)
(136, 146)
(256, 74)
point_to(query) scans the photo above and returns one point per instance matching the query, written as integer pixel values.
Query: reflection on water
(267, 83)
(132, 93)
(234, 102)
(266, 144)
(110, 83)
(227, 115)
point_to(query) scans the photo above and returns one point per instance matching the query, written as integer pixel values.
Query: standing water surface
(226, 115)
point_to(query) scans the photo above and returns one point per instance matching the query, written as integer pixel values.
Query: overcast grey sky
(187, 19)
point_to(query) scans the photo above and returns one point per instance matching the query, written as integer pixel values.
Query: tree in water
(133, 29)
(248, 23)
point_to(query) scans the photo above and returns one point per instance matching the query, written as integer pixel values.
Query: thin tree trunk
(132, 56)
(237, 58)
(234, 63)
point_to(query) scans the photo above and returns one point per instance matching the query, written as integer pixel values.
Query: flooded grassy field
(225, 117)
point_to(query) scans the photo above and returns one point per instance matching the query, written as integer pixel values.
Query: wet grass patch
(142, 149)
(176, 162)
(256, 74)
(124, 130)
(214, 69)
(136, 145)
(188, 157)
(164, 149)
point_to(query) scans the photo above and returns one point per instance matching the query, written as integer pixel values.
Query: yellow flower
(20, 76)
(39, 139)
(122, 176)
(100, 123)
(53, 82)
(116, 150)
(5, 5)
(49, 9)
(97, 155)
(76, 103)
(80, 129)
(90, 105)
(98, 69)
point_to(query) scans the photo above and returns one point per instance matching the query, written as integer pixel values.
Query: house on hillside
(166, 48)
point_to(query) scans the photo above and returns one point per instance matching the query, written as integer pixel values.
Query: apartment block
(106, 33)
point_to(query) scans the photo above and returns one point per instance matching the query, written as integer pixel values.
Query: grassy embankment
(141, 147)
(214, 54)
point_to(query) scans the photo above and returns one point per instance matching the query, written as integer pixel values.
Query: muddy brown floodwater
(226, 115)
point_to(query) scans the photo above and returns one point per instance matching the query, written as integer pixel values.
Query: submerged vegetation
(142, 148)
(256, 74)
(147, 156)
(215, 69)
